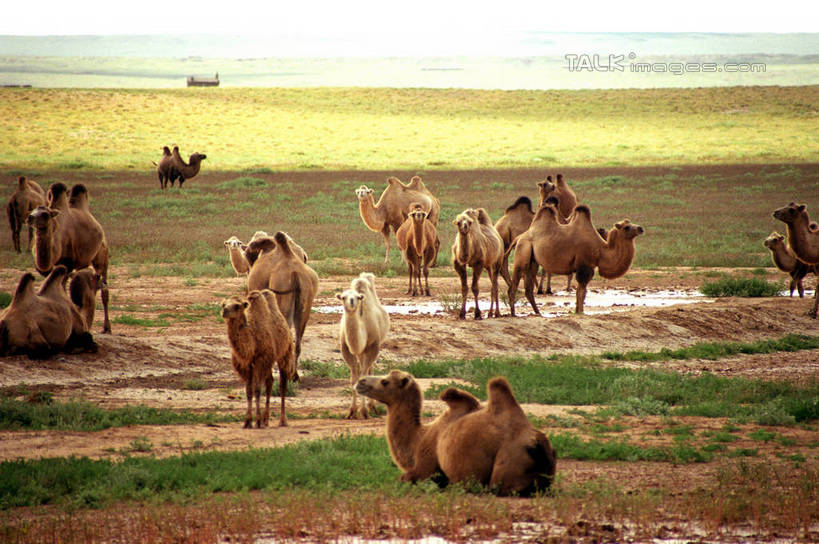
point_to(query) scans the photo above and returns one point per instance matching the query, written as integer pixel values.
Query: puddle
(597, 302)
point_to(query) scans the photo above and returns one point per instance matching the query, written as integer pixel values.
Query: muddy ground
(157, 366)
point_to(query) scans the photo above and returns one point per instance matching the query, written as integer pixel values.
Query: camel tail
(501, 397)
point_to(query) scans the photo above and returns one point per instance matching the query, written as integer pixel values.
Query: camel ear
(243, 246)
(619, 225)
(801, 208)
(245, 304)
(226, 243)
(338, 296)
(405, 382)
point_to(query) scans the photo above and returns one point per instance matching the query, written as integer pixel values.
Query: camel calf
(786, 261)
(416, 238)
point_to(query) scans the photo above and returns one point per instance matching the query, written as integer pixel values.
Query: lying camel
(186, 170)
(784, 259)
(477, 244)
(572, 248)
(364, 327)
(25, 199)
(43, 323)
(393, 207)
(496, 446)
(67, 233)
(416, 239)
(802, 239)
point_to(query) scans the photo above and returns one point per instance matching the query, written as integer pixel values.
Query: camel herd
(494, 445)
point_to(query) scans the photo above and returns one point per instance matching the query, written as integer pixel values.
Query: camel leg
(569, 284)
(386, 233)
(512, 292)
(367, 361)
(504, 268)
(529, 285)
(282, 395)
(100, 264)
(584, 275)
(494, 301)
(548, 279)
(15, 239)
(249, 395)
(426, 277)
(257, 392)
(268, 389)
(813, 311)
(417, 289)
(461, 270)
(355, 374)
(435, 256)
(476, 276)
(409, 274)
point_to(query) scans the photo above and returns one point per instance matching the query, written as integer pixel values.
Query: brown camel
(477, 244)
(802, 239)
(186, 170)
(264, 246)
(25, 199)
(259, 337)
(42, 323)
(784, 259)
(83, 290)
(496, 446)
(572, 248)
(393, 207)
(294, 283)
(165, 170)
(68, 234)
(416, 239)
(559, 189)
(236, 250)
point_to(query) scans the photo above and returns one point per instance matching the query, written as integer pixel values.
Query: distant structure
(203, 81)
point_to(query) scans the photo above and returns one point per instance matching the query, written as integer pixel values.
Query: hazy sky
(403, 20)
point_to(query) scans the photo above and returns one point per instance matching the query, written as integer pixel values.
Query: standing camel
(416, 238)
(572, 248)
(393, 207)
(28, 196)
(186, 170)
(477, 244)
(559, 189)
(68, 234)
(802, 239)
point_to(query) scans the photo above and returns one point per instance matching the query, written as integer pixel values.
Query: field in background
(357, 128)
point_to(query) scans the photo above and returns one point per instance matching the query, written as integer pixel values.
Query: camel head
(394, 387)
(546, 186)
(465, 220)
(234, 307)
(628, 230)
(234, 243)
(363, 193)
(40, 217)
(196, 158)
(418, 215)
(774, 240)
(790, 213)
(351, 300)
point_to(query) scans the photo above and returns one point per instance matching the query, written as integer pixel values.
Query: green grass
(740, 287)
(5, 299)
(717, 350)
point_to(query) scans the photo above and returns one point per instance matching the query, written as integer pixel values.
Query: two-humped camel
(185, 170)
(43, 322)
(394, 205)
(259, 337)
(416, 238)
(364, 327)
(65, 232)
(803, 240)
(784, 259)
(477, 244)
(496, 446)
(25, 199)
(574, 248)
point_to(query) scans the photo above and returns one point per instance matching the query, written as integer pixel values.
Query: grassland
(357, 128)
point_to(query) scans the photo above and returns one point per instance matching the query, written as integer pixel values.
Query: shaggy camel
(83, 290)
(285, 272)
(477, 244)
(784, 259)
(416, 239)
(802, 239)
(495, 446)
(165, 170)
(262, 245)
(560, 189)
(364, 326)
(186, 170)
(238, 260)
(25, 199)
(394, 205)
(572, 248)
(42, 323)
(259, 337)
(70, 235)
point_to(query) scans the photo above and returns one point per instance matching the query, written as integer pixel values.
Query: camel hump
(582, 211)
(56, 278)
(24, 287)
(282, 239)
(166, 151)
(79, 196)
(483, 217)
(56, 192)
(21, 183)
(392, 180)
(459, 400)
(545, 212)
(416, 184)
(521, 201)
(501, 397)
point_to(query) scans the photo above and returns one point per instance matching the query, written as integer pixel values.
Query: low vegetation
(740, 287)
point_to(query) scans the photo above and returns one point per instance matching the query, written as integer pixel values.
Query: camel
(25, 199)
(165, 170)
(285, 272)
(393, 207)
(363, 328)
(262, 245)
(784, 260)
(67, 233)
(495, 446)
(238, 260)
(560, 189)
(572, 248)
(186, 170)
(259, 336)
(42, 323)
(802, 239)
(477, 244)
(416, 238)
(83, 290)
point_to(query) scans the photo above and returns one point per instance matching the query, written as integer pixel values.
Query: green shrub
(740, 287)
(5, 299)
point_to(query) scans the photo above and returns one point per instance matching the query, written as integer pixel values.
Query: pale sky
(402, 20)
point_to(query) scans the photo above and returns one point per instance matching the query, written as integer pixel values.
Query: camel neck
(404, 430)
(782, 258)
(800, 237)
(371, 214)
(616, 256)
(355, 331)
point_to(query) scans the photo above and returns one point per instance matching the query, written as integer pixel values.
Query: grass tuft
(740, 287)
